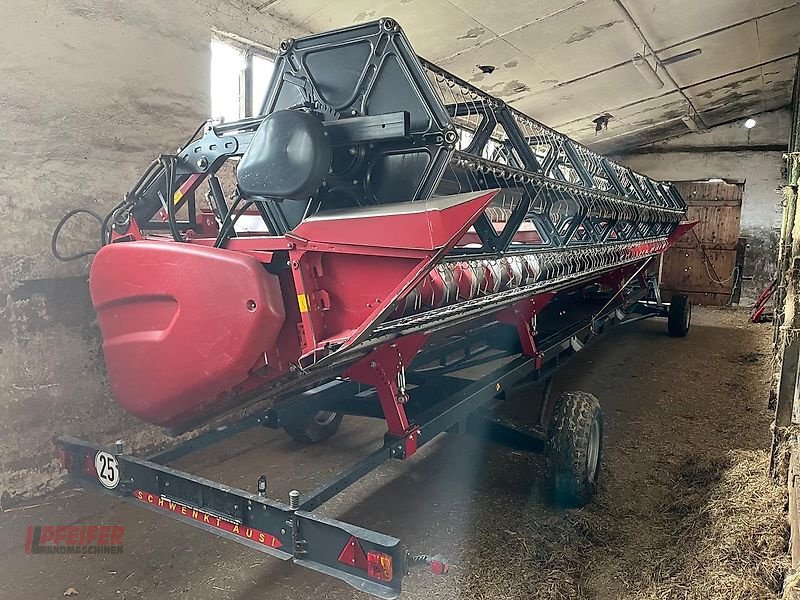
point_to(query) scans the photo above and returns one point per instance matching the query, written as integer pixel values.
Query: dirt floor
(685, 509)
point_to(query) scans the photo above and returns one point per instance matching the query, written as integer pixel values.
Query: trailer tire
(575, 448)
(315, 427)
(679, 317)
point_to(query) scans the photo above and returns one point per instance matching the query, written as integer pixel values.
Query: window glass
(227, 68)
(262, 74)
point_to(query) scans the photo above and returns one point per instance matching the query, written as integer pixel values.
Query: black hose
(59, 227)
(105, 230)
(167, 164)
(194, 135)
(142, 184)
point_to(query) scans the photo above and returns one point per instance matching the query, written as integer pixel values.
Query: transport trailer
(442, 399)
(379, 228)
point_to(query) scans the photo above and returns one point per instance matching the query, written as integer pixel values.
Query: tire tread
(571, 424)
(676, 319)
(308, 431)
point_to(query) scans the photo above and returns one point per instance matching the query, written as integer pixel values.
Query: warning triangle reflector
(353, 554)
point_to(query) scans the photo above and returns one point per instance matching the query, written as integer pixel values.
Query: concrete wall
(733, 152)
(91, 92)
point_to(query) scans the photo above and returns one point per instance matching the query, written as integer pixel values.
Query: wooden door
(702, 265)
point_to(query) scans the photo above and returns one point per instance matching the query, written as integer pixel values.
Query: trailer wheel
(680, 315)
(315, 427)
(575, 448)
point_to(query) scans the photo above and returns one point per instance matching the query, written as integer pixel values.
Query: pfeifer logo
(74, 539)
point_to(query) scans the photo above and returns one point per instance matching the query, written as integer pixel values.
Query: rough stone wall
(703, 156)
(91, 92)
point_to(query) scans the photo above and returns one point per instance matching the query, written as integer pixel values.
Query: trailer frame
(367, 560)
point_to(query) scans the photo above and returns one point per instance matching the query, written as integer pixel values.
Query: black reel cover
(289, 157)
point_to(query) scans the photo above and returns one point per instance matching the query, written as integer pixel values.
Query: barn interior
(698, 493)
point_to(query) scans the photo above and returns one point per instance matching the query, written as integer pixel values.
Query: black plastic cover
(288, 157)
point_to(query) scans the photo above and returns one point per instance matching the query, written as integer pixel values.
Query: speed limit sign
(107, 469)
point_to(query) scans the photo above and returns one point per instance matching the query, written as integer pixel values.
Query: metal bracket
(384, 368)
(523, 315)
(207, 153)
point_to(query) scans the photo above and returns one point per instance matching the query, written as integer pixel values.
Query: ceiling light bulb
(750, 123)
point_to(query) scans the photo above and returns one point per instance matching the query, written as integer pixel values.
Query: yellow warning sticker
(302, 302)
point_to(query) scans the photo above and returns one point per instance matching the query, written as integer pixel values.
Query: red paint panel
(350, 291)
(355, 286)
(423, 225)
(182, 325)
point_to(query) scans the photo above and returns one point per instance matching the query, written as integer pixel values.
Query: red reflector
(65, 458)
(379, 565)
(439, 566)
(353, 554)
(88, 465)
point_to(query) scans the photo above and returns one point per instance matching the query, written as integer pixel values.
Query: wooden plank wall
(718, 208)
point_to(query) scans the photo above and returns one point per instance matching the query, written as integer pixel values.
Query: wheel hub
(324, 417)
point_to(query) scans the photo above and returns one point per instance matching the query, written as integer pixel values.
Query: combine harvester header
(396, 199)
(404, 217)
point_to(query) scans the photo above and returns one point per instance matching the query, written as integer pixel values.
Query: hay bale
(721, 533)
(731, 531)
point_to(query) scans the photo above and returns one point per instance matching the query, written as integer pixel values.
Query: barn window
(240, 75)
